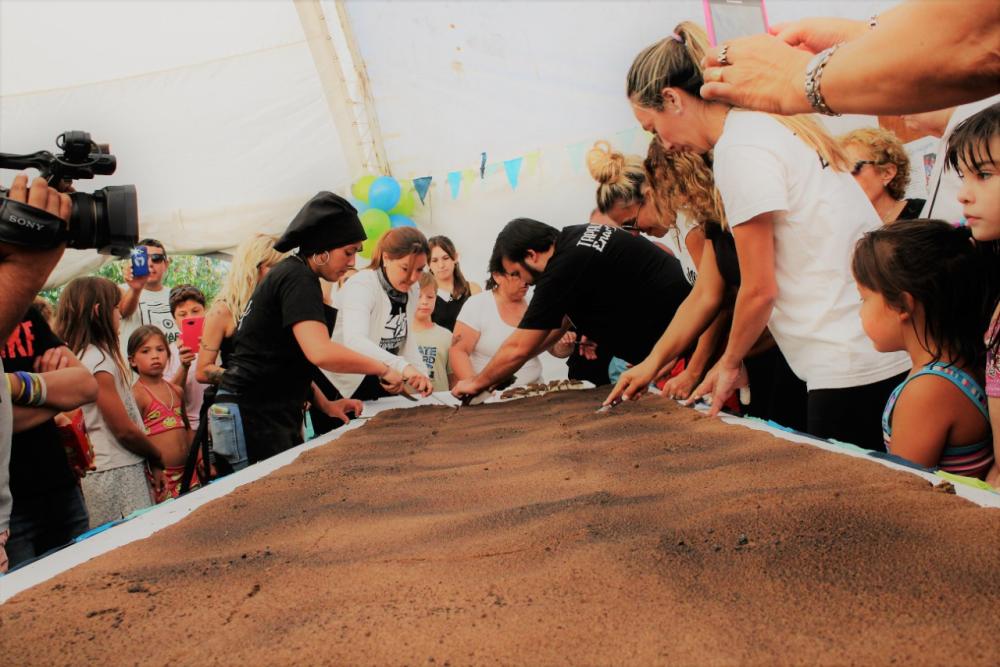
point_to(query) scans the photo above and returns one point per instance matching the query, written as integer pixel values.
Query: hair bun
(606, 165)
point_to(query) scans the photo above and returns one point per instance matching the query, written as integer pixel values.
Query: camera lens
(107, 220)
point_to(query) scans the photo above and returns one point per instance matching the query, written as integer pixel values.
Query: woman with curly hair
(881, 167)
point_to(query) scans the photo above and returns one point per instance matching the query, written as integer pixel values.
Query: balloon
(405, 205)
(361, 186)
(359, 205)
(397, 220)
(376, 223)
(384, 193)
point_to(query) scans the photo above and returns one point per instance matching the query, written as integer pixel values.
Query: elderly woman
(881, 167)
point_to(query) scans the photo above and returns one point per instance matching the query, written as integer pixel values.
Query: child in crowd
(161, 405)
(186, 302)
(433, 340)
(921, 292)
(88, 321)
(974, 152)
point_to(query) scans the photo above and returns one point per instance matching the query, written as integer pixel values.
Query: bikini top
(160, 418)
(969, 460)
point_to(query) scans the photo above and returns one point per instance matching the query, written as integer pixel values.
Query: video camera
(107, 219)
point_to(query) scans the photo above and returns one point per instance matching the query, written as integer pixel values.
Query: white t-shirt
(480, 312)
(944, 184)
(108, 453)
(682, 227)
(153, 308)
(761, 166)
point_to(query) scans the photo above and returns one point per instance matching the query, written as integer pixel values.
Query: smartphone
(729, 19)
(191, 330)
(140, 262)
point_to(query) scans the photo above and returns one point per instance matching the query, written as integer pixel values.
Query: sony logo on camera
(30, 224)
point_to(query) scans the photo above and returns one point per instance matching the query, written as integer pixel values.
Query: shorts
(114, 494)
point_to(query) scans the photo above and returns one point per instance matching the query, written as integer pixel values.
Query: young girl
(88, 321)
(974, 151)
(917, 280)
(161, 405)
(453, 289)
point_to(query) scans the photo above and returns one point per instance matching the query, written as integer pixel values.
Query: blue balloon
(400, 221)
(359, 205)
(384, 193)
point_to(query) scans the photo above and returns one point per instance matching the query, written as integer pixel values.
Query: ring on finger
(724, 55)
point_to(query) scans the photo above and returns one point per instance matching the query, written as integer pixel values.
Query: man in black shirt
(613, 287)
(49, 510)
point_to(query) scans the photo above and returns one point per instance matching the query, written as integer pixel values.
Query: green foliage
(205, 273)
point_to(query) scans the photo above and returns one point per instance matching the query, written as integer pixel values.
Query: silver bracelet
(814, 72)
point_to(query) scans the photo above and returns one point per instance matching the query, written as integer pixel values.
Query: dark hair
(941, 269)
(182, 293)
(140, 336)
(495, 265)
(154, 243)
(970, 141)
(460, 286)
(85, 317)
(521, 235)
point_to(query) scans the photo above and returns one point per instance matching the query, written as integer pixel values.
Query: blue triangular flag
(422, 185)
(492, 168)
(626, 139)
(513, 169)
(455, 181)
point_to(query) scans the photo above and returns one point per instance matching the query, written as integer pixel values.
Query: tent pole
(376, 160)
(332, 80)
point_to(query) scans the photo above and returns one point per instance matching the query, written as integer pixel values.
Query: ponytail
(675, 62)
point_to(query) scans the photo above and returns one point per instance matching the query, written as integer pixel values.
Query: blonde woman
(881, 167)
(796, 213)
(251, 262)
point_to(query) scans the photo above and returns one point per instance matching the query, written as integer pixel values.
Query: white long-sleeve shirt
(363, 310)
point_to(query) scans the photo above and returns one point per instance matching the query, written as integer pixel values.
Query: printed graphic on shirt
(429, 354)
(158, 314)
(243, 315)
(20, 344)
(394, 334)
(596, 237)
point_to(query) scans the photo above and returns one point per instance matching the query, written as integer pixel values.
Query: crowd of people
(803, 287)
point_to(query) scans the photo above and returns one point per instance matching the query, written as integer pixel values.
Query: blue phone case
(140, 262)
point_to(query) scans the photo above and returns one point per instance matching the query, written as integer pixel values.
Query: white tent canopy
(219, 114)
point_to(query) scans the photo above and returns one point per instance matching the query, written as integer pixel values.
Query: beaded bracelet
(30, 391)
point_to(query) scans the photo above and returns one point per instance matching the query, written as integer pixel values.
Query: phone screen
(729, 19)
(191, 330)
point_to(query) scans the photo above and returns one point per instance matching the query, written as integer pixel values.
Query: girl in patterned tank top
(921, 292)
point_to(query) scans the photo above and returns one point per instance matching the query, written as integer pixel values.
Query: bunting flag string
(630, 140)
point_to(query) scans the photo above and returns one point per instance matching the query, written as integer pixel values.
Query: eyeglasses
(158, 258)
(860, 164)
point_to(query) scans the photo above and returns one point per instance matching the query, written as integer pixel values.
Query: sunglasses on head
(860, 164)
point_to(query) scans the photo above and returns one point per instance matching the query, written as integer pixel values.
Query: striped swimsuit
(968, 460)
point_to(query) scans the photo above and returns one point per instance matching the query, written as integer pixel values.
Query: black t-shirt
(446, 312)
(267, 366)
(38, 463)
(912, 209)
(618, 289)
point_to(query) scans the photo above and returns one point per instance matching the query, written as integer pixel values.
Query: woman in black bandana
(283, 334)
(375, 312)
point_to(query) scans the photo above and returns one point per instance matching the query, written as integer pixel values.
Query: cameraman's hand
(134, 283)
(40, 195)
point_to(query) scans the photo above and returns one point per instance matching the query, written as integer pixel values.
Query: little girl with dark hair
(162, 407)
(88, 321)
(918, 282)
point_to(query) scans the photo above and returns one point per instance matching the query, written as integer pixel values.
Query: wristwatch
(814, 72)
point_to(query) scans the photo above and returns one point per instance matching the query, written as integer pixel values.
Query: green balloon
(405, 205)
(360, 187)
(376, 223)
